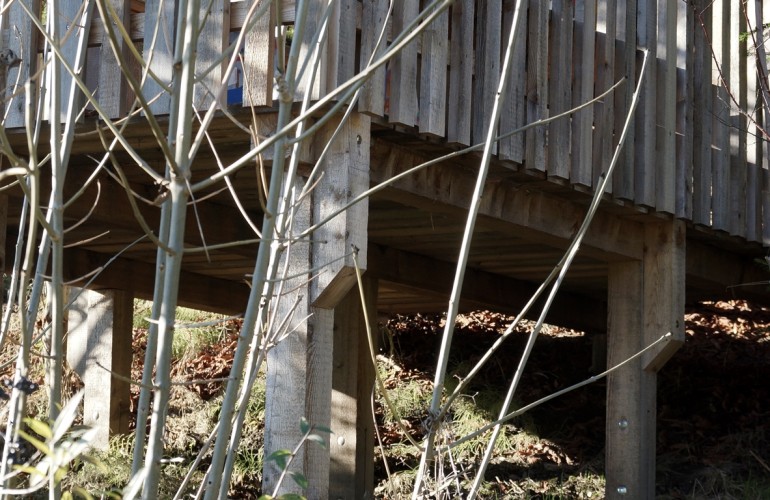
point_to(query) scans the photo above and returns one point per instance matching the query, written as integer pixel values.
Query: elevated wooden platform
(685, 218)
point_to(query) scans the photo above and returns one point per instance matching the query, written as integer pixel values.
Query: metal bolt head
(623, 424)
(622, 490)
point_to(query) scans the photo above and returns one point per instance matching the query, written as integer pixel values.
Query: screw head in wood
(623, 424)
(622, 490)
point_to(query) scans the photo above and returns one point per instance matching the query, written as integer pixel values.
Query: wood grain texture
(258, 59)
(604, 133)
(720, 158)
(583, 59)
(665, 166)
(159, 35)
(403, 69)
(560, 88)
(461, 73)
(74, 26)
(212, 42)
(702, 119)
(684, 111)
(644, 139)
(537, 85)
(514, 111)
(341, 43)
(486, 67)
(112, 86)
(372, 98)
(22, 40)
(623, 178)
(738, 122)
(434, 59)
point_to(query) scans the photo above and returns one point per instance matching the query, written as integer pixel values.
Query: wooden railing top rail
(695, 150)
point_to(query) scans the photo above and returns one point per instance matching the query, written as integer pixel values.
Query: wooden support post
(300, 371)
(352, 449)
(98, 344)
(646, 300)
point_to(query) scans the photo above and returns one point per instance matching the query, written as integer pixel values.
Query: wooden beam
(664, 290)
(631, 405)
(531, 214)
(99, 344)
(480, 290)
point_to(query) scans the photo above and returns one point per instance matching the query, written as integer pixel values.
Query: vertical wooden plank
(318, 397)
(74, 27)
(374, 17)
(738, 122)
(684, 111)
(514, 109)
(645, 159)
(605, 73)
(212, 42)
(23, 41)
(582, 121)
(721, 117)
(763, 11)
(630, 427)
(112, 86)
(258, 59)
(487, 66)
(403, 69)
(753, 138)
(341, 43)
(623, 181)
(702, 116)
(433, 77)
(159, 34)
(366, 380)
(317, 87)
(665, 175)
(461, 73)
(537, 85)
(560, 88)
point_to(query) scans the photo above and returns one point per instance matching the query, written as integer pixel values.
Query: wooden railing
(695, 150)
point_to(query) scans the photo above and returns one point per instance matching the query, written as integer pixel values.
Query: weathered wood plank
(403, 69)
(112, 86)
(644, 139)
(341, 43)
(372, 97)
(631, 391)
(720, 158)
(582, 121)
(665, 185)
(209, 64)
(433, 77)
(753, 138)
(537, 85)
(74, 25)
(159, 34)
(487, 66)
(625, 66)
(603, 137)
(738, 122)
(560, 88)
(684, 111)
(22, 40)
(258, 59)
(514, 109)
(461, 73)
(702, 117)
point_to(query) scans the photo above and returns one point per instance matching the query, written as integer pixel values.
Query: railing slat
(753, 140)
(702, 117)
(74, 26)
(461, 73)
(603, 139)
(560, 88)
(665, 165)
(23, 41)
(645, 159)
(158, 48)
(212, 42)
(258, 59)
(537, 85)
(514, 110)
(487, 66)
(372, 97)
(403, 73)
(433, 75)
(738, 124)
(112, 86)
(684, 111)
(720, 204)
(625, 66)
(582, 121)
(341, 43)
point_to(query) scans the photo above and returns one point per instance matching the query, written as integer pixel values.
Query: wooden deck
(695, 161)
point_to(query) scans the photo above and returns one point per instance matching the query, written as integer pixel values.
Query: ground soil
(713, 399)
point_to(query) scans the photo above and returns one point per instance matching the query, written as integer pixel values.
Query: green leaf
(66, 496)
(40, 428)
(279, 457)
(304, 425)
(317, 439)
(41, 446)
(300, 479)
(321, 428)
